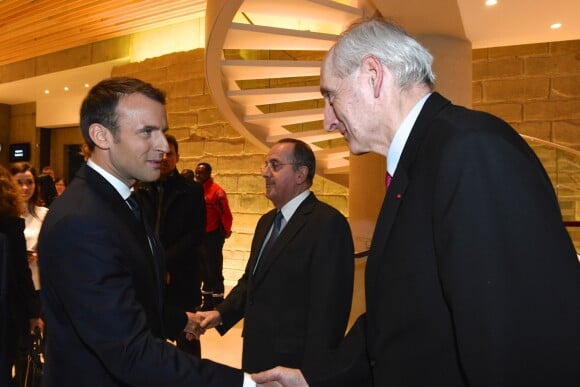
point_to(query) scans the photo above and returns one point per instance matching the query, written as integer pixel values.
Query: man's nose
(162, 144)
(330, 120)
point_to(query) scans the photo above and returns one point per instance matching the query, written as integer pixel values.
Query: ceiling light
(66, 88)
(86, 85)
(46, 91)
(555, 26)
(490, 2)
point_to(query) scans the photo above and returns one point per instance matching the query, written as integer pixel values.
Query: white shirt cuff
(248, 382)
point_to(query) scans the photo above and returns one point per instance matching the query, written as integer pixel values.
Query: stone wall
(534, 87)
(204, 135)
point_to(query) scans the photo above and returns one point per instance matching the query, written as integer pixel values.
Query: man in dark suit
(102, 270)
(296, 292)
(175, 208)
(472, 279)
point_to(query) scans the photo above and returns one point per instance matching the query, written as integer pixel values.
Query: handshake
(199, 322)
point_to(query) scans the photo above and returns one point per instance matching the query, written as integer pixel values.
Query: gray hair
(408, 60)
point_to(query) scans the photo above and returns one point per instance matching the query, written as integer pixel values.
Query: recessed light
(66, 88)
(86, 85)
(555, 26)
(490, 2)
(46, 91)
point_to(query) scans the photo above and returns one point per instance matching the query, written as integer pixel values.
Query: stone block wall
(204, 135)
(534, 87)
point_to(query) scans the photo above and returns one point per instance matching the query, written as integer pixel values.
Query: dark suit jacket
(298, 304)
(103, 295)
(181, 230)
(472, 279)
(18, 300)
(22, 303)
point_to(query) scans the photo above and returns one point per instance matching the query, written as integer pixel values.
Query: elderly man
(472, 279)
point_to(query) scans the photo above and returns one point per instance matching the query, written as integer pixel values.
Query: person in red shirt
(218, 227)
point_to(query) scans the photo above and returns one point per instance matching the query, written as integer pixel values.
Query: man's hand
(192, 329)
(286, 377)
(209, 319)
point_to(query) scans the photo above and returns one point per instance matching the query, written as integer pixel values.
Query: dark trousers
(212, 262)
(9, 351)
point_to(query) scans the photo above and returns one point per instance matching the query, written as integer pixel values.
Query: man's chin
(150, 177)
(356, 150)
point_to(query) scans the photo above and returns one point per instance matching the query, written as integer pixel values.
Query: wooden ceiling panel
(29, 28)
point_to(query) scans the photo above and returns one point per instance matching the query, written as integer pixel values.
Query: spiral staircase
(262, 67)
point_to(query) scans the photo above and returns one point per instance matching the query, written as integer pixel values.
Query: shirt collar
(401, 136)
(290, 208)
(121, 187)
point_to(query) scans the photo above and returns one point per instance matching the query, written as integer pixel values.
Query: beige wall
(534, 87)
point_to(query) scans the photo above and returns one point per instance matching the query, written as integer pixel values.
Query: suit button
(373, 363)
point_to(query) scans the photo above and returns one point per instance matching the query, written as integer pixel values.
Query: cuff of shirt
(248, 382)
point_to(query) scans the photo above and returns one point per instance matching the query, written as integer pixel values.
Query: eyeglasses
(274, 165)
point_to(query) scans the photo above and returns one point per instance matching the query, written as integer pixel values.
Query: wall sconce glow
(46, 91)
(66, 88)
(555, 26)
(86, 85)
(489, 3)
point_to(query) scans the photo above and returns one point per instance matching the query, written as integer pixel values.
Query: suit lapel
(295, 224)
(259, 238)
(119, 207)
(396, 193)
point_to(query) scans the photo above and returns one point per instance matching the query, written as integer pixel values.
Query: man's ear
(100, 136)
(302, 174)
(373, 66)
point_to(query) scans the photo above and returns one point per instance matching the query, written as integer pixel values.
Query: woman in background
(21, 310)
(34, 212)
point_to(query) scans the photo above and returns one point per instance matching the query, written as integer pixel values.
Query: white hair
(408, 60)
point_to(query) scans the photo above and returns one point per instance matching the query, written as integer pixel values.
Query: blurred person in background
(60, 185)
(218, 227)
(34, 212)
(188, 174)
(176, 210)
(46, 183)
(20, 308)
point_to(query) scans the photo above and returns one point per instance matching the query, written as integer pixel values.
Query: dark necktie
(134, 205)
(160, 191)
(154, 246)
(136, 208)
(273, 236)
